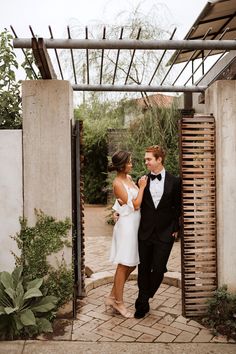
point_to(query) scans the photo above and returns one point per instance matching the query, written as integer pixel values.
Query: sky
(60, 13)
(39, 14)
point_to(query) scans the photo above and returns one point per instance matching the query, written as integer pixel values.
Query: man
(159, 225)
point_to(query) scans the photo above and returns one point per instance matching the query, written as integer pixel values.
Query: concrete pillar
(220, 100)
(47, 115)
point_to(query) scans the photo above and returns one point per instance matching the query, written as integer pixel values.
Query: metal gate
(199, 272)
(78, 212)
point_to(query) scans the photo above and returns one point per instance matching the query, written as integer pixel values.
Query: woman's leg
(127, 272)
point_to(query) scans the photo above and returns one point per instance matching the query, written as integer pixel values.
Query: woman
(124, 250)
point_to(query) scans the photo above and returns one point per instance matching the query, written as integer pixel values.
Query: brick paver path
(93, 323)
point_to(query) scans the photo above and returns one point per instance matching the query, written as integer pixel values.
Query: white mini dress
(124, 248)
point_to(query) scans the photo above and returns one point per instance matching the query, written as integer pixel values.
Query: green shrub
(221, 313)
(25, 310)
(36, 243)
(97, 118)
(157, 126)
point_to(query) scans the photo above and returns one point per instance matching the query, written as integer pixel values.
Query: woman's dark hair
(119, 159)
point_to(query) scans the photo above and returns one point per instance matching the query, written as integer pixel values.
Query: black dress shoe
(141, 309)
(140, 314)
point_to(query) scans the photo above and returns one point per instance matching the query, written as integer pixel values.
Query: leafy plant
(24, 309)
(221, 313)
(97, 118)
(36, 244)
(155, 126)
(10, 101)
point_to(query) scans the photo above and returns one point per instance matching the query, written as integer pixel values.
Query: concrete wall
(47, 115)
(220, 100)
(11, 199)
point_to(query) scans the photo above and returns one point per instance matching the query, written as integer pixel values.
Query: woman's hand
(120, 201)
(142, 182)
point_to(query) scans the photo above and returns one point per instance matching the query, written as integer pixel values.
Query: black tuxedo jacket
(159, 223)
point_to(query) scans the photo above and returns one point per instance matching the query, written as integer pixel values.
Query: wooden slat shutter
(199, 278)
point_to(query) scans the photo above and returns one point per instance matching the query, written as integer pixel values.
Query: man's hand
(115, 216)
(175, 234)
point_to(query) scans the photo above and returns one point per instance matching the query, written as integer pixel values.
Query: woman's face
(128, 166)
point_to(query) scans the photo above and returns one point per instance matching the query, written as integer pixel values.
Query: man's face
(151, 162)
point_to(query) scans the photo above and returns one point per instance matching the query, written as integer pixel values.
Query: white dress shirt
(157, 187)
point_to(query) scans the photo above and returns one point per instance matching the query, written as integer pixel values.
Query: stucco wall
(220, 100)
(11, 200)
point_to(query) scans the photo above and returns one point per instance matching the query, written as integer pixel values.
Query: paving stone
(171, 302)
(182, 319)
(167, 329)
(157, 313)
(148, 321)
(219, 339)
(169, 310)
(107, 333)
(204, 336)
(167, 320)
(105, 339)
(77, 324)
(184, 337)
(114, 321)
(127, 331)
(82, 317)
(146, 338)
(147, 330)
(101, 316)
(195, 324)
(130, 322)
(85, 309)
(89, 326)
(165, 338)
(85, 336)
(126, 339)
(172, 289)
(94, 301)
(184, 327)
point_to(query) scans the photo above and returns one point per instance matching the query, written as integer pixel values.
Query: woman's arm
(142, 184)
(120, 192)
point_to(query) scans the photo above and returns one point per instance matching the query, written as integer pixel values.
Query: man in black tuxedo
(159, 225)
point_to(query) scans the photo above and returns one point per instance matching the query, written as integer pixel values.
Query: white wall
(11, 200)
(221, 102)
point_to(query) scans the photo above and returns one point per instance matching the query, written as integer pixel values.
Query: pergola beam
(138, 88)
(129, 44)
(42, 59)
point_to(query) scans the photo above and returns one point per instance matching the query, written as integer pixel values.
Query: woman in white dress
(124, 250)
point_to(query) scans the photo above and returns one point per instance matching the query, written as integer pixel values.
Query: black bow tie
(155, 176)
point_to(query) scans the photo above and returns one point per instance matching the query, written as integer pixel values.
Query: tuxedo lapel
(147, 195)
(167, 185)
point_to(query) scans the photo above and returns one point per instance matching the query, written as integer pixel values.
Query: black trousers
(153, 260)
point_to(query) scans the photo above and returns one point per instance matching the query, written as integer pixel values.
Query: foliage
(25, 310)
(157, 126)
(221, 313)
(150, 127)
(10, 101)
(97, 118)
(28, 64)
(37, 243)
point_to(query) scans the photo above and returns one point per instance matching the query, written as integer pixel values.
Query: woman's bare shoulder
(116, 182)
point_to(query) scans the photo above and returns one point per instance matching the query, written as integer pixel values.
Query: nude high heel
(124, 312)
(109, 302)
